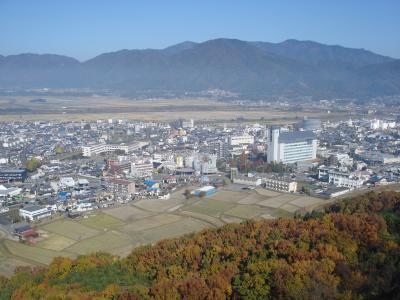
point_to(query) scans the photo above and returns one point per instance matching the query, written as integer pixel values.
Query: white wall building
(339, 178)
(291, 147)
(34, 212)
(281, 184)
(142, 169)
(241, 140)
(88, 151)
(382, 125)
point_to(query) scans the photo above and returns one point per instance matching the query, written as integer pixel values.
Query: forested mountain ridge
(350, 251)
(256, 69)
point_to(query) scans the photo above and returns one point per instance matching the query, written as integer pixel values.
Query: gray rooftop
(296, 136)
(33, 208)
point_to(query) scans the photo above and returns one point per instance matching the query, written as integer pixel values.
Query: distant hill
(257, 69)
(323, 55)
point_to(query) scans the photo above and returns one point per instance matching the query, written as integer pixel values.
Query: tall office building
(291, 147)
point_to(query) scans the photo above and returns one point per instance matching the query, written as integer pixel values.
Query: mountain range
(255, 69)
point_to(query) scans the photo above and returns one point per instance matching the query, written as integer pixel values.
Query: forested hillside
(351, 251)
(256, 69)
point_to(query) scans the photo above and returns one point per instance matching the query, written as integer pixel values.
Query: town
(58, 179)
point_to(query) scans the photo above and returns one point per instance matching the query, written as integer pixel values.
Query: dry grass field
(100, 221)
(103, 242)
(70, 229)
(128, 213)
(33, 253)
(102, 107)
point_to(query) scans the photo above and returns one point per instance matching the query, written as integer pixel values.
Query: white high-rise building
(291, 147)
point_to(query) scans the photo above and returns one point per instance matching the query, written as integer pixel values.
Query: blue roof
(149, 182)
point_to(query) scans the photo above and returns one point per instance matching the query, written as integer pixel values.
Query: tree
(32, 164)
(187, 194)
(59, 149)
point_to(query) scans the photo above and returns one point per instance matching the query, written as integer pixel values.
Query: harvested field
(175, 229)
(202, 217)
(290, 208)
(253, 198)
(267, 193)
(150, 222)
(209, 207)
(128, 213)
(103, 242)
(231, 219)
(228, 196)
(245, 211)
(158, 205)
(55, 242)
(39, 255)
(100, 221)
(70, 229)
(306, 201)
(8, 265)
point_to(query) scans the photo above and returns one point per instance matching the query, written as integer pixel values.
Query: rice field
(55, 242)
(209, 207)
(128, 213)
(70, 229)
(245, 211)
(118, 230)
(151, 222)
(175, 229)
(100, 221)
(102, 242)
(33, 253)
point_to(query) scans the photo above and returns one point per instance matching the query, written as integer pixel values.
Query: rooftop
(296, 136)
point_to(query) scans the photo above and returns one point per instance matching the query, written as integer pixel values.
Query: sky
(86, 28)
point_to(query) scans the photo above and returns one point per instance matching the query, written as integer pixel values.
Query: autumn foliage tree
(349, 251)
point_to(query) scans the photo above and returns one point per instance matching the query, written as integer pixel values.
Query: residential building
(241, 139)
(281, 184)
(339, 178)
(13, 174)
(142, 169)
(121, 186)
(35, 212)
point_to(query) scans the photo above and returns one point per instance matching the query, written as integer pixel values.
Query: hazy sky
(85, 28)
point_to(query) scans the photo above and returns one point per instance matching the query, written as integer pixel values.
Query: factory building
(291, 147)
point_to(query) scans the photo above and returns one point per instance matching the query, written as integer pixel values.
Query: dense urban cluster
(53, 168)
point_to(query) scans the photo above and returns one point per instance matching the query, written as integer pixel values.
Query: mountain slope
(258, 69)
(174, 49)
(323, 55)
(33, 70)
